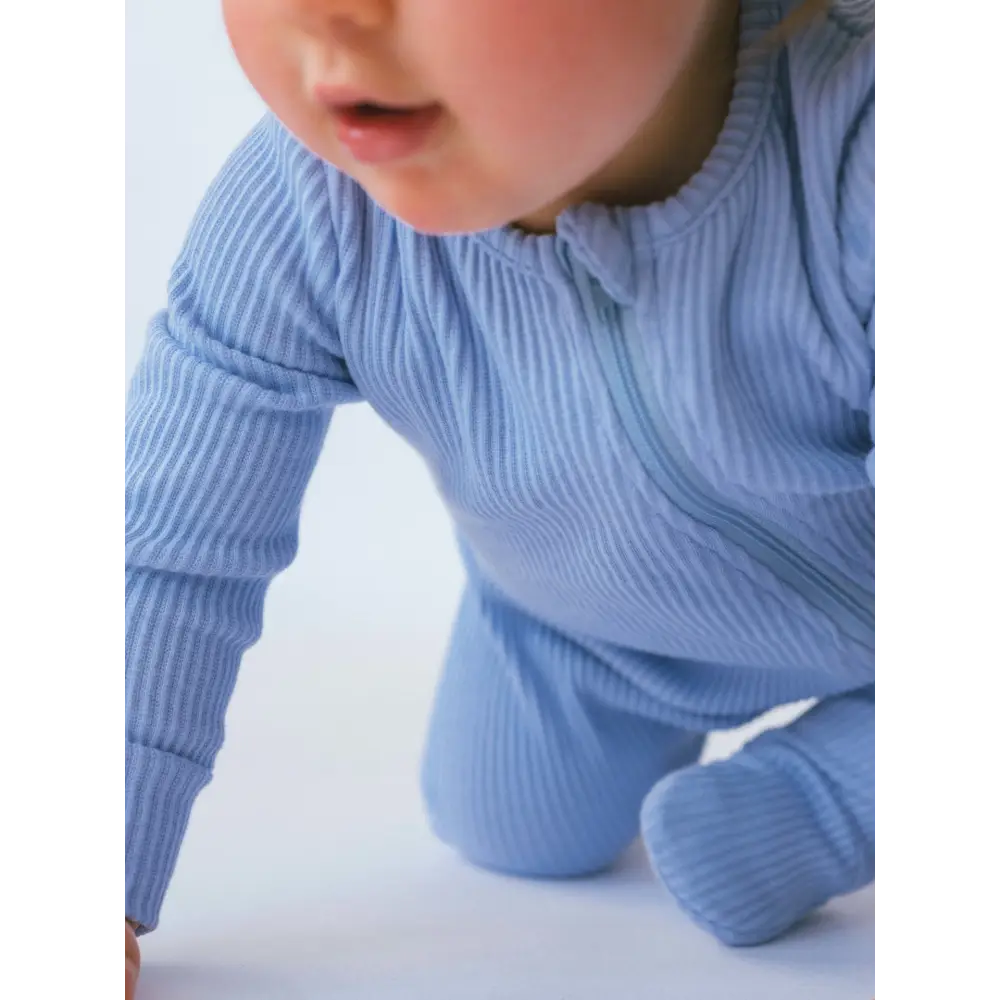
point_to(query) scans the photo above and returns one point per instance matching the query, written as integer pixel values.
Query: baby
(609, 267)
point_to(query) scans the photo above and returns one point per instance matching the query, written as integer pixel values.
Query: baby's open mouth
(366, 109)
(374, 132)
(369, 113)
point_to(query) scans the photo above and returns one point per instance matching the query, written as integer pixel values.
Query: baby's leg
(528, 770)
(752, 844)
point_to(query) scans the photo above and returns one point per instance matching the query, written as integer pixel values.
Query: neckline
(586, 227)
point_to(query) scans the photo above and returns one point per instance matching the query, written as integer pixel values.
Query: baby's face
(517, 102)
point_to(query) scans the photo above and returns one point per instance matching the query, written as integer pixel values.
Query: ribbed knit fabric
(651, 429)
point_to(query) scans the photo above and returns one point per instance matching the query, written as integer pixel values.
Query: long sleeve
(856, 230)
(226, 417)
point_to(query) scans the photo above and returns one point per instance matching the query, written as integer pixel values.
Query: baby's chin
(433, 206)
(442, 195)
(443, 216)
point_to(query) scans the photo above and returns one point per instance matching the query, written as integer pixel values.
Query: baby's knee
(506, 833)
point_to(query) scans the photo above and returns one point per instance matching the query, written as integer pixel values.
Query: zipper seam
(702, 503)
(719, 509)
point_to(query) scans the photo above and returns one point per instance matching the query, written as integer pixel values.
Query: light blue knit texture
(651, 429)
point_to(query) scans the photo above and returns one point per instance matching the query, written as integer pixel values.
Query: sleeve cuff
(160, 789)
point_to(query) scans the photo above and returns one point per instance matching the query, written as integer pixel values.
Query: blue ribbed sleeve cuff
(160, 789)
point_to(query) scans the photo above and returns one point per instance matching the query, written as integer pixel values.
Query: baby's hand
(131, 961)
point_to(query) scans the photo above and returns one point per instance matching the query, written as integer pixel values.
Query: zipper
(614, 332)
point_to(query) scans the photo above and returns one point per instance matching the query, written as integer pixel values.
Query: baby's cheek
(527, 74)
(273, 59)
(260, 42)
(243, 20)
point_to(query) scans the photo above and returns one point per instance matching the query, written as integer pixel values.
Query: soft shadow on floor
(205, 982)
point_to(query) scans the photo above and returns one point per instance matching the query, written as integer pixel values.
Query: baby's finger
(132, 961)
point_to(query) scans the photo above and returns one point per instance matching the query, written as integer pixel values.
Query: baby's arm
(856, 230)
(226, 416)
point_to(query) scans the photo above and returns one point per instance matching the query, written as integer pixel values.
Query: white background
(307, 870)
